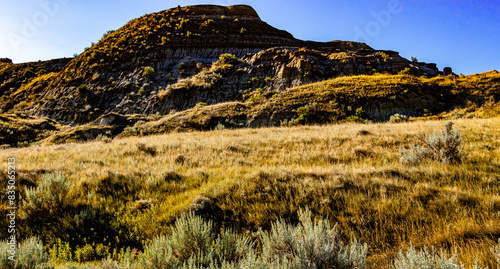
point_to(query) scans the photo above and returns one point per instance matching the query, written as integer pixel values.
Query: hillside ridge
(172, 60)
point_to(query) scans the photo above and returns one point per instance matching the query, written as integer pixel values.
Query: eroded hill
(128, 68)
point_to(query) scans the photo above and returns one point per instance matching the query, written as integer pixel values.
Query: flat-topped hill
(241, 11)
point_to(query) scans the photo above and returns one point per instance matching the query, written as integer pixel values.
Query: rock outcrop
(164, 61)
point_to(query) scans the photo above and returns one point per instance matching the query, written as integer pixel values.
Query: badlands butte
(198, 67)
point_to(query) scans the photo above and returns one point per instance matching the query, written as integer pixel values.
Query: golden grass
(349, 173)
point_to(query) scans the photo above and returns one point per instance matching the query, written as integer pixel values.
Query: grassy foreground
(125, 192)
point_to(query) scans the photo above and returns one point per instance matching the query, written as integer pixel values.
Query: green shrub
(130, 130)
(228, 59)
(148, 72)
(74, 265)
(444, 147)
(407, 71)
(193, 243)
(413, 155)
(91, 252)
(359, 116)
(253, 80)
(396, 118)
(220, 126)
(103, 138)
(311, 244)
(191, 237)
(425, 258)
(256, 98)
(139, 123)
(164, 40)
(232, 247)
(51, 193)
(303, 114)
(29, 255)
(60, 252)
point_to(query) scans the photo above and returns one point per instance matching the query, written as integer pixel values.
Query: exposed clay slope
(143, 67)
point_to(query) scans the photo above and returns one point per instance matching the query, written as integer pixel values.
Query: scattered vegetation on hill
(360, 98)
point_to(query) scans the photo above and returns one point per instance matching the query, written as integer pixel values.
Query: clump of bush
(228, 59)
(103, 138)
(396, 118)
(220, 126)
(444, 147)
(148, 72)
(360, 116)
(130, 131)
(256, 98)
(303, 114)
(193, 244)
(92, 252)
(51, 193)
(424, 258)
(151, 150)
(407, 71)
(29, 254)
(311, 244)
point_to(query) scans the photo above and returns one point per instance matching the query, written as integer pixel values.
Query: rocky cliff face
(165, 61)
(274, 69)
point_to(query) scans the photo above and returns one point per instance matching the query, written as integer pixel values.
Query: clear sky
(464, 35)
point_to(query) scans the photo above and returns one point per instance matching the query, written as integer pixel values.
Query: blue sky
(461, 34)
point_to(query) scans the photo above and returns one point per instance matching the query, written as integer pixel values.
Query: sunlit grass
(349, 173)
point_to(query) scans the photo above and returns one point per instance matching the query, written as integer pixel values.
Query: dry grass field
(246, 179)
